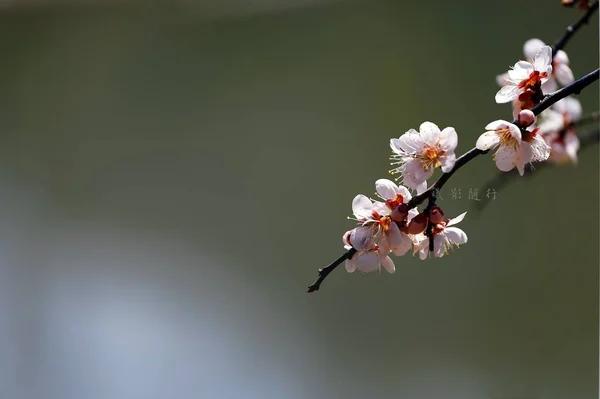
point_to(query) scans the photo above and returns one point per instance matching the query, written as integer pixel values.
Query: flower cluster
(543, 129)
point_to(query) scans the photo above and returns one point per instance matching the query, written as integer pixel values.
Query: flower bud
(399, 213)
(436, 215)
(526, 118)
(417, 224)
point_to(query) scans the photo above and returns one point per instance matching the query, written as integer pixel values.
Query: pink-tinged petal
(561, 58)
(362, 238)
(388, 264)
(540, 150)
(515, 132)
(421, 188)
(549, 86)
(524, 155)
(430, 133)
(521, 70)
(487, 140)
(501, 80)
(569, 106)
(411, 214)
(572, 146)
(543, 59)
(368, 262)
(532, 47)
(381, 208)
(414, 174)
(403, 246)
(447, 161)
(505, 158)
(439, 245)
(406, 195)
(386, 188)
(362, 207)
(408, 143)
(424, 248)
(456, 220)
(350, 265)
(449, 139)
(455, 235)
(497, 124)
(393, 235)
(551, 121)
(564, 75)
(506, 94)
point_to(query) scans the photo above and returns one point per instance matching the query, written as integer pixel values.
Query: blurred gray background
(172, 174)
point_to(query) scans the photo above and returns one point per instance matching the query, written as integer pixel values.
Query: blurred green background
(173, 174)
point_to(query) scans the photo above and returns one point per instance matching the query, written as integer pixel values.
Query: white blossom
(417, 154)
(445, 237)
(526, 75)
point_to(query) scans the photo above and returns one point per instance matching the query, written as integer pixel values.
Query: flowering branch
(394, 226)
(572, 29)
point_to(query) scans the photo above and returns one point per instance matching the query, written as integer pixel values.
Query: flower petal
(456, 220)
(388, 264)
(447, 161)
(455, 235)
(362, 238)
(507, 94)
(449, 139)
(362, 207)
(524, 155)
(350, 265)
(386, 188)
(487, 140)
(430, 133)
(505, 158)
(532, 47)
(564, 75)
(439, 245)
(403, 245)
(408, 143)
(414, 174)
(543, 59)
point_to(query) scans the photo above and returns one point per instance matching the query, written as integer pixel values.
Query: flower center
(534, 79)
(393, 203)
(431, 157)
(506, 139)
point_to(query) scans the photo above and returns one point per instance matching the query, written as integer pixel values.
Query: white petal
(393, 236)
(388, 264)
(421, 188)
(455, 235)
(449, 139)
(564, 75)
(524, 155)
(549, 86)
(350, 265)
(572, 146)
(447, 161)
(543, 59)
(515, 132)
(551, 121)
(505, 158)
(430, 132)
(411, 214)
(570, 106)
(362, 207)
(403, 246)
(381, 208)
(424, 248)
(502, 79)
(408, 143)
(414, 174)
(439, 245)
(368, 262)
(540, 151)
(532, 47)
(362, 238)
(487, 140)
(497, 124)
(406, 195)
(386, 188)
(507, 94)
(456, 220)
(561, 57)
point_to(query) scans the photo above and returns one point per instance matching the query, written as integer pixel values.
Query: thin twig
(571, 29)
(324, 272)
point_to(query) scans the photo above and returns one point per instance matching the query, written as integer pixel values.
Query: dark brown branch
(572, 29)
(324, 272)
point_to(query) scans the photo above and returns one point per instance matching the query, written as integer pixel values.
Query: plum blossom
(370, 262)
(445, 237)
(417, 154)
(515, 147)
(396, 198)
(561, 72)
(557, 129)
(527, 77)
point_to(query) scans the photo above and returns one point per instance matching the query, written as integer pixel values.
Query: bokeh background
(172, 174)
